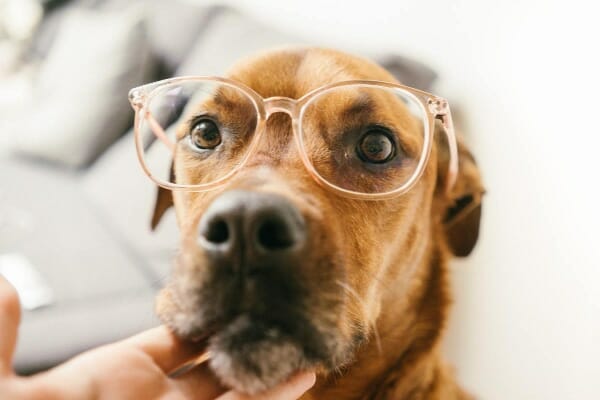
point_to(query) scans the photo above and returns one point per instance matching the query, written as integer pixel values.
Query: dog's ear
(461, 210)
(164, 200)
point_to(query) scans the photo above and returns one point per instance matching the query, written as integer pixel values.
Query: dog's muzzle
(255, 247)
(259, 279)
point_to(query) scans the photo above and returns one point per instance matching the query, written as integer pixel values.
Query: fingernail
(306, 380)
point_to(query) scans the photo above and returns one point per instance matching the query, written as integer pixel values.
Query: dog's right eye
(376, 146)
(205, 134)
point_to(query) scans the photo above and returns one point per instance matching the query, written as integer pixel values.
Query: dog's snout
(251, 230)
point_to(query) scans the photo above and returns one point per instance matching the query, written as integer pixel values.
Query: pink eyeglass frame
(435, 108)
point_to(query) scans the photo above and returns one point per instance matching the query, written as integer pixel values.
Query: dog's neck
(408, 363)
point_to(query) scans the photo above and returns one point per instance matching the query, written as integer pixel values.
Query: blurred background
(522, 76)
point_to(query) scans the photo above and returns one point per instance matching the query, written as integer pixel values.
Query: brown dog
(360, 292)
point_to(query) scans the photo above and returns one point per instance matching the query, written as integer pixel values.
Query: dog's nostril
(275, 234)
(218, 232)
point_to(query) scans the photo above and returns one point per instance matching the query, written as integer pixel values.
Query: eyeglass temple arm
(442, 111)
(158, 131)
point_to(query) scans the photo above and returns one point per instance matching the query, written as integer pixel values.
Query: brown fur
(391, 254)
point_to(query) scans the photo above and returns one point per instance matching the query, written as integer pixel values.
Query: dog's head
(281, 272)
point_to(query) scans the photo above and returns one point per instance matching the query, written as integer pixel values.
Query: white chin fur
(259, 366)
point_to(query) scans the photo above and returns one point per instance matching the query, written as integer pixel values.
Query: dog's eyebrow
(362, 105)
(219, 98)
(222, 99)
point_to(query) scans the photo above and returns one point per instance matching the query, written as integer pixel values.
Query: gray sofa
(87, 203)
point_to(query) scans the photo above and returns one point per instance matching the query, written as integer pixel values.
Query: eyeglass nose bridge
(282, 104)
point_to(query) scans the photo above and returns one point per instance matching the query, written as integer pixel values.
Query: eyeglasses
(362, 139)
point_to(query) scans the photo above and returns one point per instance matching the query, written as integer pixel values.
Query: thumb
(10, 316)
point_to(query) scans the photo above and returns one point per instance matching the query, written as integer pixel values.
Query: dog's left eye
(205, 134)
(376, 146)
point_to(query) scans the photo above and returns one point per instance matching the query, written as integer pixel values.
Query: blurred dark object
(50, 5)
(409, 72)
(89, 230)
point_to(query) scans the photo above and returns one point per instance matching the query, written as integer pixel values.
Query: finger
(290, 390)
(167, 351)
(198, 383)
(10, 316)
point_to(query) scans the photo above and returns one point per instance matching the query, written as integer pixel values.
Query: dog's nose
(252, 230)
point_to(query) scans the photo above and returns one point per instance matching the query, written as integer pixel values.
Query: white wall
(527, 319)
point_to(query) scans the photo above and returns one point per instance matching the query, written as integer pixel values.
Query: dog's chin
(252, 357)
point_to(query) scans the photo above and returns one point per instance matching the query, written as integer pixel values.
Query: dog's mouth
(255, 342)
(252, 354)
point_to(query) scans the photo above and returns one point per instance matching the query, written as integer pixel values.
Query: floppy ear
(462, 206)
(164, 200)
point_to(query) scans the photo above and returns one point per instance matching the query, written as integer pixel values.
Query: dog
(362, 294)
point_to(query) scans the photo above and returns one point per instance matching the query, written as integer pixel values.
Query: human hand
(135, 368)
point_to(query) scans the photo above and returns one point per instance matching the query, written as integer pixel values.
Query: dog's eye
(205, 134)
(376, 146)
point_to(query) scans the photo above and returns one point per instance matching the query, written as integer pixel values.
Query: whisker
(355, 295)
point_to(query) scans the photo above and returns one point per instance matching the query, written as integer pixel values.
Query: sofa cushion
(63, 236)
(81, 98)
(120, 191)
(54, 334)
(230, 36)
(102, 292)
(174, 27)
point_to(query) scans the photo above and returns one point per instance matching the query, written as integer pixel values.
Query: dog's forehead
(293, 72)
